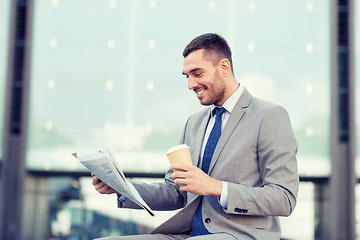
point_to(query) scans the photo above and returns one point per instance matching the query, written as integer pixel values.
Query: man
(244, 172)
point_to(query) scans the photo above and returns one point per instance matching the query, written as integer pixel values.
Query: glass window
(4, 29)
(282, 55)
(109, 73)
(105, 79)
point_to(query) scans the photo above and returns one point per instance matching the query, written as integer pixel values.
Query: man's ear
(225, 67)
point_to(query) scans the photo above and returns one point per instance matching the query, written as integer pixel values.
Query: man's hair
(211, 42)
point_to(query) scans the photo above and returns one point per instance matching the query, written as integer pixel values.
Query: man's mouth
(200, 92)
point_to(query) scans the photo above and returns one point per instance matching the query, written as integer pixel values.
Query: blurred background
(108, 72)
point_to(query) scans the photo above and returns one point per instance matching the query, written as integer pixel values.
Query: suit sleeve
(276, 153)
(159, 196)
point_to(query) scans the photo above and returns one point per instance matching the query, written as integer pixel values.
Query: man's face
(204, 78)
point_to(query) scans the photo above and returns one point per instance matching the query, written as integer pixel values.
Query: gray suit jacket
(256, 155)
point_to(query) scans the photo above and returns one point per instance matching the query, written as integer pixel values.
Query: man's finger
(179, 174)
(96, 180)
(180, 166)
(100, 185)
(103, 190)
(180, 181)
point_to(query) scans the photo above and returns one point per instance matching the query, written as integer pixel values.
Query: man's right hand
(101, 187)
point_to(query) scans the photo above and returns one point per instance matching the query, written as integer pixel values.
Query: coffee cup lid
(178, 147)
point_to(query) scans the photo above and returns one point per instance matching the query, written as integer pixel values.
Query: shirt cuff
(121, 198)
(224, 195)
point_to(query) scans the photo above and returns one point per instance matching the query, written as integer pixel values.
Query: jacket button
(207, 220)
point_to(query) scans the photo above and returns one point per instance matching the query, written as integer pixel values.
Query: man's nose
(192, 84)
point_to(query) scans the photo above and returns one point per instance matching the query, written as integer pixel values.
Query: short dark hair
(210, 42)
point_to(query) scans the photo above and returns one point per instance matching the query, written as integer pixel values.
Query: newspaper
(105, 167)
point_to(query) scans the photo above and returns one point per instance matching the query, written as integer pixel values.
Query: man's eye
(198, 75)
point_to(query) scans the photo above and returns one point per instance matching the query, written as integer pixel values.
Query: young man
(244, 172)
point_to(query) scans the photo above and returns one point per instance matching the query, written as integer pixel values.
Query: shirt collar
(230, 103)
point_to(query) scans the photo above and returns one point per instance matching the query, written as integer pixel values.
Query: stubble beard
(216, 91)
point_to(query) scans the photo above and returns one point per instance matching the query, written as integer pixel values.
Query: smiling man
(244, 172)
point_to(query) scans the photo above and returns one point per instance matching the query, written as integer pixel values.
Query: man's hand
(193, 179)
(101, 187)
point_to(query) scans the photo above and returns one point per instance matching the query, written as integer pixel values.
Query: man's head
(214, 45)
(208, 67)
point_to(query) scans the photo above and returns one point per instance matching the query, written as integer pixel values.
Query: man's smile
(200, 92)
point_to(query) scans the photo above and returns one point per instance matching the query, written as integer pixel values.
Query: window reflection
(111, 75)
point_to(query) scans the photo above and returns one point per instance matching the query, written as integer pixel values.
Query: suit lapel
(234, 119)
(200, 137)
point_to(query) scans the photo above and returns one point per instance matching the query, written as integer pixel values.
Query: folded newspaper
(105, 167)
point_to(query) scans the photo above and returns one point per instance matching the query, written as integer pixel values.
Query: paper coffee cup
(179, 154)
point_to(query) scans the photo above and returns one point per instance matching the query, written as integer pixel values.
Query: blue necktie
(198, 227)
